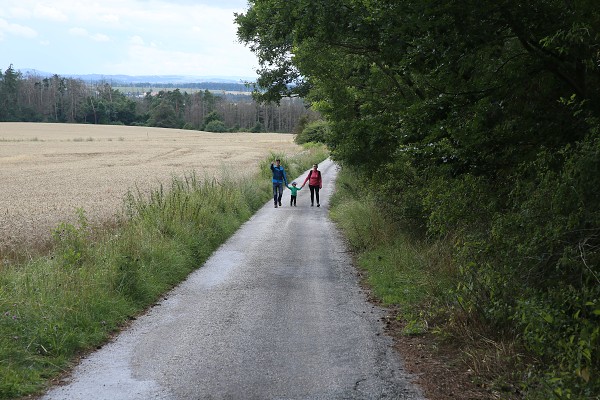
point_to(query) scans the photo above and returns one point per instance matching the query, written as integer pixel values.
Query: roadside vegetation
(95, 279)
(416, 279)
(475, 126)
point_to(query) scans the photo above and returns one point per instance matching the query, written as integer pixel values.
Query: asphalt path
(276, 313)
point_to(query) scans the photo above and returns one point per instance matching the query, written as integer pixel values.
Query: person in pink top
(315, 183)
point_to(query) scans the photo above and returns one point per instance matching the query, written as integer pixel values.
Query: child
(294, 190)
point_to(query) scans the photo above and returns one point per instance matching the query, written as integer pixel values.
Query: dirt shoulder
(437, 365)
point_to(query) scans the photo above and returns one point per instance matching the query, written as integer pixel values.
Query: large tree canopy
(462, 82)
(478, 120)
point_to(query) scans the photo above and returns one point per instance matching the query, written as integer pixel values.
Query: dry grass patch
(48, 171)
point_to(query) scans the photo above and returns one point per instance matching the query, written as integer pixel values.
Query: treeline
(475, 125)
(59, 99)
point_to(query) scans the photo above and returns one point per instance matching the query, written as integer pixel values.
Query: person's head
(278, 161)
(293, 183)
(315, 166)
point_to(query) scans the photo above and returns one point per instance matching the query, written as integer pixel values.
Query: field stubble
(48, 171)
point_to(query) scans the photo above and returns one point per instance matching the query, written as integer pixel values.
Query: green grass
(402, 272)
(54, 307)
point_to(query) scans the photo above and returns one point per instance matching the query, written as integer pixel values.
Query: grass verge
(414, 278)
(57, 306)
(401, 272)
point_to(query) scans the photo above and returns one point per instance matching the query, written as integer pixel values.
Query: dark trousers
(292, 201)
(314, 190)
(277, 192)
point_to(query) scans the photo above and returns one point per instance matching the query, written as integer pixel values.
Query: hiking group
(314, 180)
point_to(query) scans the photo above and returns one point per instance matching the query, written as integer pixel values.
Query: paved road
(275, 313)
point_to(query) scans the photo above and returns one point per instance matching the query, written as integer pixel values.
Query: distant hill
(158, 79)
(144, 79)
(213, 83)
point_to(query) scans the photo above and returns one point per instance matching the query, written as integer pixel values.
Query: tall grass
(56, 306)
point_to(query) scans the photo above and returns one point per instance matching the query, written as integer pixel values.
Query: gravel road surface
(275, 313)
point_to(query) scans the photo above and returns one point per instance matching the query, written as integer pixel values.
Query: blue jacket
(278, 174)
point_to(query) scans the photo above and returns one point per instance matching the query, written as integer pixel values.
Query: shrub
(257, 128)
(215, 126)
(212, 116)
(316, 131)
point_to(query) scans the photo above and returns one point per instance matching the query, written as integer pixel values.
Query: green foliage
(300, 125)
(566, 338)
(32, 98)
(214, 123)
(70, 241)
(461, 205)
(362, 222)
(212, 116)
(109, 107)
(163, 116)
(551, 235)
(215, 126)
(401, 271)
(9, 86)
(316, 131)
(257, 128)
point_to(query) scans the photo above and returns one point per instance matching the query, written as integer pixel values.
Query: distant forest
(33, 98)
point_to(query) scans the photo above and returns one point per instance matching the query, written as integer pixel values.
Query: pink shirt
(314, 178)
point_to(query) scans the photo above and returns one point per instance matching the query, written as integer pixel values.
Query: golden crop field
(48, 171)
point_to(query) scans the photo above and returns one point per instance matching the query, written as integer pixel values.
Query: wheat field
(48, 171)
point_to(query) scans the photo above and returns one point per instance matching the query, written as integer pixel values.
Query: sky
(129, 37)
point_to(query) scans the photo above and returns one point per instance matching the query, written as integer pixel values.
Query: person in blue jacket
(279, 178)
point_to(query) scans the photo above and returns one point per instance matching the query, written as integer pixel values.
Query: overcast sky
(132, 37)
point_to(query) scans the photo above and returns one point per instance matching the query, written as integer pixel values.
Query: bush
(212, 116)
(215, 126)
(257, 128)
(300, 125)
(316, 131)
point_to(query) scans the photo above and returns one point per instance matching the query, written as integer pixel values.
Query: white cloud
(45, 12)
(132, 36)
(136, 40)
(111, 18)
(82, 32)
(16, 29)
(157, 61)
(100, 37)
(78, 32)
(18, 12)
(160, 61)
